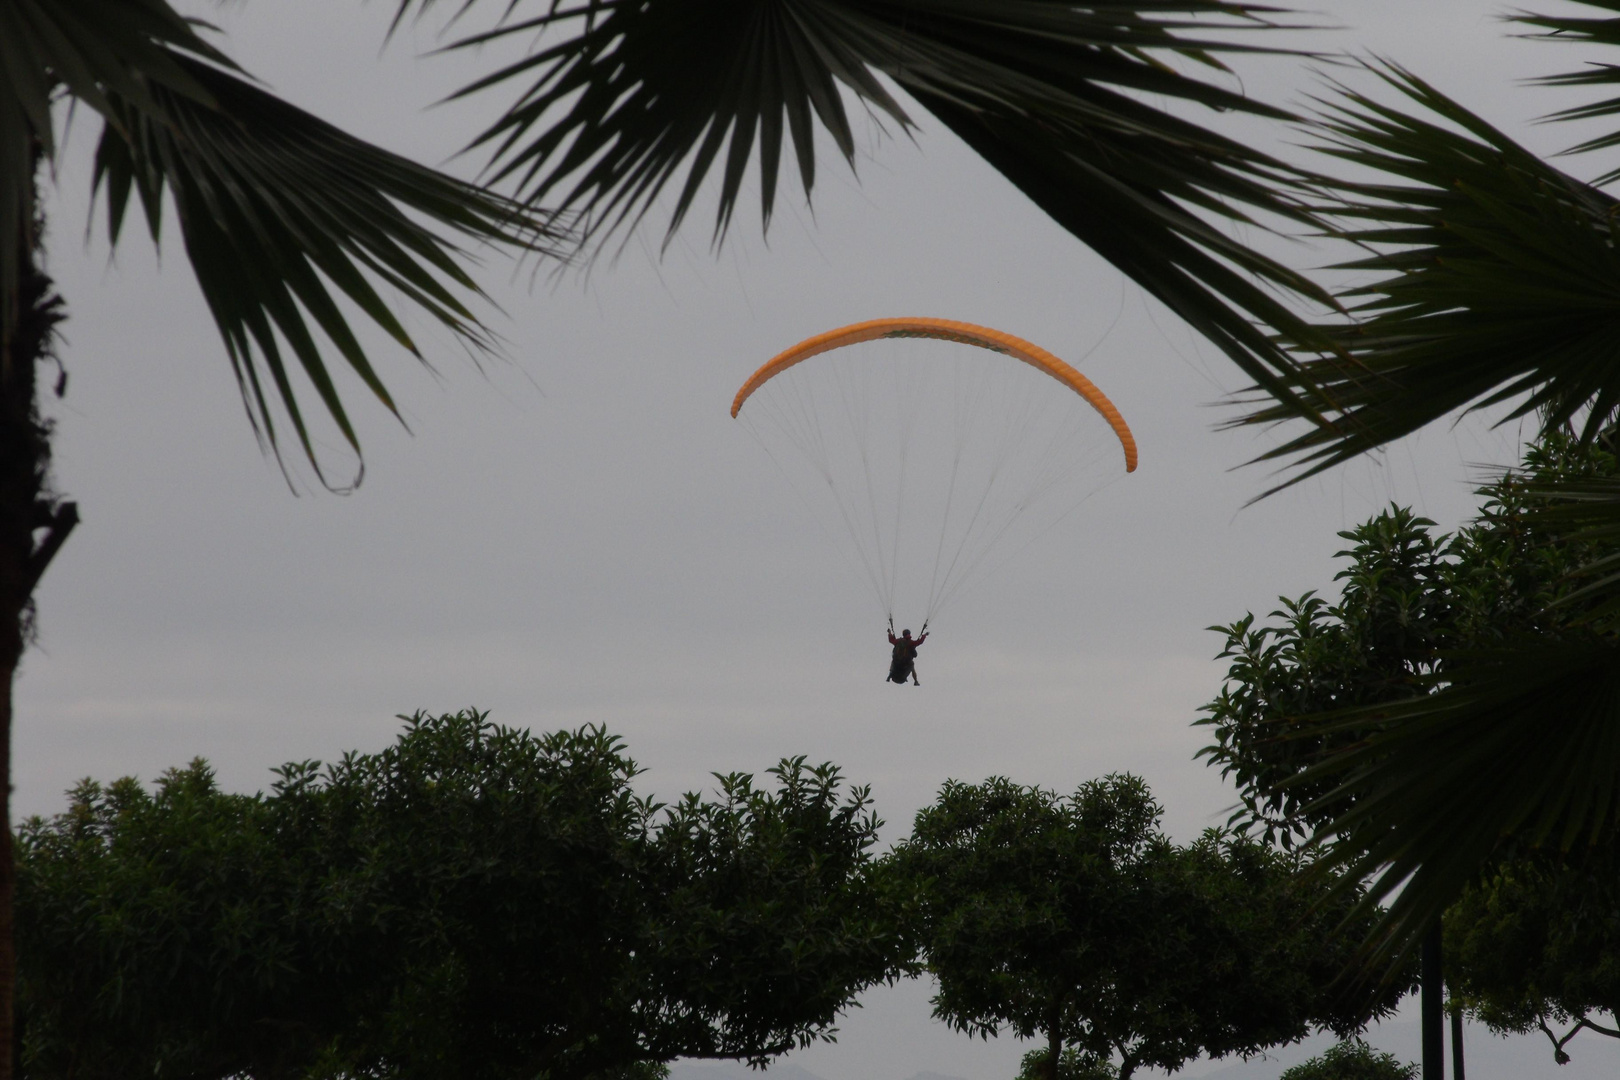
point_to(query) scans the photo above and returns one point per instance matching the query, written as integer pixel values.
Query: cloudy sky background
(579, 533)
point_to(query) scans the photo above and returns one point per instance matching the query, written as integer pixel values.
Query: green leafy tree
(1352, 1059)
(1531, 938)
(1536, 944)
(1376, 644)
(1075, 920)
(1326, 698)
(472, 902)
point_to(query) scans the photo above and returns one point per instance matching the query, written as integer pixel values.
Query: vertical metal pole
(1432, 1011)
(1456, 1046)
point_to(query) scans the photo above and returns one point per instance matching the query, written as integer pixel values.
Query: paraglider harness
(904, 663)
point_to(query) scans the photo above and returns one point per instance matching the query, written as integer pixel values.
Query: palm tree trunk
(1431, 1005)
(25, 507)
(1457, 1046)
(10, 1049)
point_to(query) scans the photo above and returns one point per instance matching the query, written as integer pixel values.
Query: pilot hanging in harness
(904, 663)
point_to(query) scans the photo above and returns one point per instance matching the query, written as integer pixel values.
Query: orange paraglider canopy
(947, 330)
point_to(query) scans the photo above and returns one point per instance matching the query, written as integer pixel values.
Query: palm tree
(281, 214)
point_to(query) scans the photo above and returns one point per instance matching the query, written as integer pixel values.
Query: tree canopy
(472, 902)
(1535, 946)
(1333, 714)
(1074, 919)
(1531, 938)
(1352, 1059)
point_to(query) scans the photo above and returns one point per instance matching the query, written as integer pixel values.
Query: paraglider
(903, 662)
(940, 458)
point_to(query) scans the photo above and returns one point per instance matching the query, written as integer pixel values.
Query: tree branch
(60, 522)
(773, 1050)
(1558, 1044)
(1583, 1022)
(1054, 1038)
(1127, 1064)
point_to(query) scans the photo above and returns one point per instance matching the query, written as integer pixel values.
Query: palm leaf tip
(283, 214)
(631, 98)
(1492, 289)
(1583, 30)
(657, 85)
(90, 49)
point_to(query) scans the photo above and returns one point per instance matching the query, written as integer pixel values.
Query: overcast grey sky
(580, 534)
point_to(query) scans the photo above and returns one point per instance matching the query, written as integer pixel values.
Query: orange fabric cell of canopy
(947, 330)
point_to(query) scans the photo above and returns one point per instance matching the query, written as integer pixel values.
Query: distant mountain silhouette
(736, 1070)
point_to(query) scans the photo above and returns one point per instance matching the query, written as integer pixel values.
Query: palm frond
(1496, 281)
(1586, 31)
(92, 49)
(643, 96)
(1522, 748)
(276, 206)
(280, 212)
